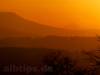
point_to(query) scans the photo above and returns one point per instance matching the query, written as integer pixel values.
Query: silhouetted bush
(62, 65)
(95, 60)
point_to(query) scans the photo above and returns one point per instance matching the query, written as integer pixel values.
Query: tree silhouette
(61, 65)
(96, 59)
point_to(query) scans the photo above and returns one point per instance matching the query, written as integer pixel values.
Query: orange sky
(75, 14)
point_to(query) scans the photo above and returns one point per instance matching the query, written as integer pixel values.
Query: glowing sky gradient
(74, 14)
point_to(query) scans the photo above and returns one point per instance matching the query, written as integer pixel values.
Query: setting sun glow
(72, 14)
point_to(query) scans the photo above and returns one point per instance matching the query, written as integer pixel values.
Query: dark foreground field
(36, 61)
(12, 58)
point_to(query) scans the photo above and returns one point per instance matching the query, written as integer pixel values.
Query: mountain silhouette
(15, 30)
(12, 25)
(66, 43)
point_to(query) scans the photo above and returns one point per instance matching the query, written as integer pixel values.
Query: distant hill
(67, 43)
(17, 31)
(52, 42)
(12, 25)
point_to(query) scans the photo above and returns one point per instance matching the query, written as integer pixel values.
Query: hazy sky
(80, 14)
